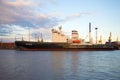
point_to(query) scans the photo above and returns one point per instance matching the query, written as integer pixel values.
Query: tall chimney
(89, 27)
(89, 32)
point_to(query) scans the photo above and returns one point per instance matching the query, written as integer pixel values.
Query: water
(59, 65)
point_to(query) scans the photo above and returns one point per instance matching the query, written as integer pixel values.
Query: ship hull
(49, 46)
(64, 49)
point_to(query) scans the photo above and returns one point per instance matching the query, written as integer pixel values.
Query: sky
(18, 17)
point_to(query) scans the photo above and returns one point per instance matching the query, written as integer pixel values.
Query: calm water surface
(59, 65)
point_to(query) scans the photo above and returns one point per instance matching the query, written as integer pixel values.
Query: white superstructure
(75, 35)
(58, 35)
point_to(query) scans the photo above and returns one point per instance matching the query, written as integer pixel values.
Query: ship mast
(38, 39)
(29, 34)
(117, 40)
(100, 41)
(35, 36)
(22, 38)
(41, 38)
(110, 37)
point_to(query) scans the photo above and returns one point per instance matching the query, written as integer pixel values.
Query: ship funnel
(90, 33)
(89, 27)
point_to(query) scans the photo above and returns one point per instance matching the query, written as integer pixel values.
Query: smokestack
(89, 27)
(89, 32)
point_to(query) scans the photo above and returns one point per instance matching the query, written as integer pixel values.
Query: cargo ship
(25, 45)
(62, 42)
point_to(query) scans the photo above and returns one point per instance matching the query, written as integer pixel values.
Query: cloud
(20, 14)
(11, 13)
(76, 15)
(18, 3)
(10, 30)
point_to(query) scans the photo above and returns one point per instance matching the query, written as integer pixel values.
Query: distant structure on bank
(4, 45)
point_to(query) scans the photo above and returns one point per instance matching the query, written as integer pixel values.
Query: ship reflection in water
(59, 65)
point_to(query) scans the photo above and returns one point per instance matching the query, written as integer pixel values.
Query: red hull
(67, 49)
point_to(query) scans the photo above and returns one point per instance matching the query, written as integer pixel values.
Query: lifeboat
(76, 41)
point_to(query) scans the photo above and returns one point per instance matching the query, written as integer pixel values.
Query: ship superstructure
(75, 36)
(58, 35)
